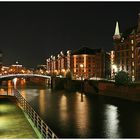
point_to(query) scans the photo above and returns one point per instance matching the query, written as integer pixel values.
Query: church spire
(117, 32)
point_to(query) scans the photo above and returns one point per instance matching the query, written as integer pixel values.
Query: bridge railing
(45, 131)
(26, 75)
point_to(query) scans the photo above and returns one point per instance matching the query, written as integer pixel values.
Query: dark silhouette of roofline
(86, 50)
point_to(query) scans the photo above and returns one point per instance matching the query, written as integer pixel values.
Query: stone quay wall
(105, 88)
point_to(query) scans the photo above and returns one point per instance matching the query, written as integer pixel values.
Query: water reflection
(42, 102)
(81, 114)
(10, 91)
(2, 91)
(29, 94)
(63, 109)
(6, 91)
(23, 92)
(82, 97)
(111, 122)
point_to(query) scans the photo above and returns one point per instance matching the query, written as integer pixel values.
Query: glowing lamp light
(114, 67)
(22, 71)
(61, 53)
(81, 65)
(63, 70)
(5, 72)
(15, 82)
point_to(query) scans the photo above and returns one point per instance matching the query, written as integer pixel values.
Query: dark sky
(31, 32)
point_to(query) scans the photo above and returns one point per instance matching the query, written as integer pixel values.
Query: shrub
(122, 78)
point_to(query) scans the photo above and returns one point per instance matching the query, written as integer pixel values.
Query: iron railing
(43, 128)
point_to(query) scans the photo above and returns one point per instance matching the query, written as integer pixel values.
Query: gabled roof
(129, 31)
(138, 44)
(86, 50)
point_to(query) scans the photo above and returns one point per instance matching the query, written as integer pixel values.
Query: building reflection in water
(2, 91)
(10, 88)
(23, 92)
(10, 91)
(7, 90)
(22, 82)
(81, 114)
(63, 109)
(42, 102)
(111, 122)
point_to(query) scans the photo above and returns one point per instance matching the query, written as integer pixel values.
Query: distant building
(0, 62)
(90, 63)
(84, 63)
(0, 59)
(60, 64)
(43, 67)
(16, 68)
(107, 65)
(127, 50)
(113, 64)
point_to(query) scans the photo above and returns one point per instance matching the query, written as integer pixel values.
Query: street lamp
(82, 84)
(56, 72)
(114, 70)
(63, 72)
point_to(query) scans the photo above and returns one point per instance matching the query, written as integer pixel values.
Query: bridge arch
(14, 77)
(24, 75)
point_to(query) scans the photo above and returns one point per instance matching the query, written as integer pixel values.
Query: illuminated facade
(16, 68)
(1, 63)
(113, 65)
(0, 59)
(127, 50)
(59, 64)
(85, 63)
(90, 63)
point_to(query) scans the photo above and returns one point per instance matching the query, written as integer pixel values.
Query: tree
(68, 75)
(122, 78)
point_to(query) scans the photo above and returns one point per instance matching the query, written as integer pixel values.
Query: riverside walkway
(13, 123)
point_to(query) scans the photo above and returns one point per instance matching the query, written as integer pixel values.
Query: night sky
(31, 32)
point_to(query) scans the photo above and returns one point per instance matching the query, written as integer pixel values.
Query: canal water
(75, 115)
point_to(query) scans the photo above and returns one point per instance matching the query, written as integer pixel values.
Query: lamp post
(81, 66)
(82, 84)
(63, 72)
(114, 70)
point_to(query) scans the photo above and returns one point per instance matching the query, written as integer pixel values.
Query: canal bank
(131, 92)
(106, 88)
(13, 123)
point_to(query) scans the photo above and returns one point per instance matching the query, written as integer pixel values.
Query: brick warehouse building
(127, 50)
(84, 63)
(59, 64)
(0, 61)
(88, 63)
